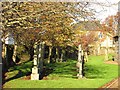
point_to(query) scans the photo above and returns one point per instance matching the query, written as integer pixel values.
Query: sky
(103, 8)
(104, 11)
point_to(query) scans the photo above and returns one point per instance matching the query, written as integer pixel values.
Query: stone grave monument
(38, 61)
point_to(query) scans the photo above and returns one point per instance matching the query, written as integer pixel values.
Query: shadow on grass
(22, 65)
(62, 69)
(95, 71)
(23, 69)
(47, 69)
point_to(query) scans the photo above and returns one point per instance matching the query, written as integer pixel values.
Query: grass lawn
(63, 75)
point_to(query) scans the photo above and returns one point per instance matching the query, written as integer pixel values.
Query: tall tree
(51, 22)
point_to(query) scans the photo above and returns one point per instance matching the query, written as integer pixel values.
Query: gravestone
(37, 61)
(35, 74)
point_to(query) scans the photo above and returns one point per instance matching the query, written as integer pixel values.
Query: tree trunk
(41, 57)
(0, 63)
(62, 57)
(9, 54)
(86, 57)
(57, 55)
(31, 53)
(14, 53)
(3, 51)
(98, 50)
(79, 62)
(4, 55)
(50, 54)
(106, 54)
